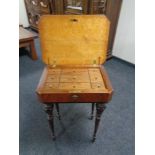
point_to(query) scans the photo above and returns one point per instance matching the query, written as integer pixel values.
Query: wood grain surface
(74, 39)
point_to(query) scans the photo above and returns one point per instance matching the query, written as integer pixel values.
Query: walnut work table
(74, 85)
(26, 39)
(74, 49)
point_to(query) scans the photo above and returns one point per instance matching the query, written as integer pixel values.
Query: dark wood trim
(49, 110)
(58, 111)
(106, 80)
(109, 57)
(92, 111)
(100, 107)
(112, 12)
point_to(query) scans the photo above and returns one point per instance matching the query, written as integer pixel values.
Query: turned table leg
(57, 108)
(92, 111)
(33, 50)
(49, 111)
(100, 107)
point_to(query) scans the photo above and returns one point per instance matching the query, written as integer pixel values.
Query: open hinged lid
(74, 39)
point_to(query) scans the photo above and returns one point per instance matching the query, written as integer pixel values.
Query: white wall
(22, 14)
(124, 45)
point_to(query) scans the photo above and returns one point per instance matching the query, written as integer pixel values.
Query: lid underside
(74, 39)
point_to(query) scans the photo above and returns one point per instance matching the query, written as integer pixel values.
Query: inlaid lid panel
(74, 39)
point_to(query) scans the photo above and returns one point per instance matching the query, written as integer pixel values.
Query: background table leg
(100, 107)
(33, 50)
(49, 111)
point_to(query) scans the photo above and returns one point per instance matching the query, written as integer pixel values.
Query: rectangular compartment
(51, 85)
(75, 86)
(52, 78)
(74, 78)
(54, 71)
(98, 85)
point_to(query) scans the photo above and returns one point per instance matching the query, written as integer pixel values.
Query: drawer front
(74, 71)
(95, 70)
(74, 75)
(95, 75)
(98, 86)
(52, 78)
(96, 78)
(74, 98)
(76, 86)
(74, 78)
(54, 71)
(49, 86)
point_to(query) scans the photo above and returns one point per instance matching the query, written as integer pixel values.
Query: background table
(26, 39)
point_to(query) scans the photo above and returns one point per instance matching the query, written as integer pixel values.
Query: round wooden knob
(50, 86)
(98, 86)
(75, 96)
(74, 77)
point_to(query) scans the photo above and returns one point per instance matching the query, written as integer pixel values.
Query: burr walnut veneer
(74, 55)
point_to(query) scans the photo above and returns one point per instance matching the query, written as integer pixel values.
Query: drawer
(51, 85)
(94, 71)
(54, 71)
(98, 85)
(52, 78)
(76, 86)
(74, 78)
(75, 71)
(96, 78)
(74, 97)
(95, 75)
